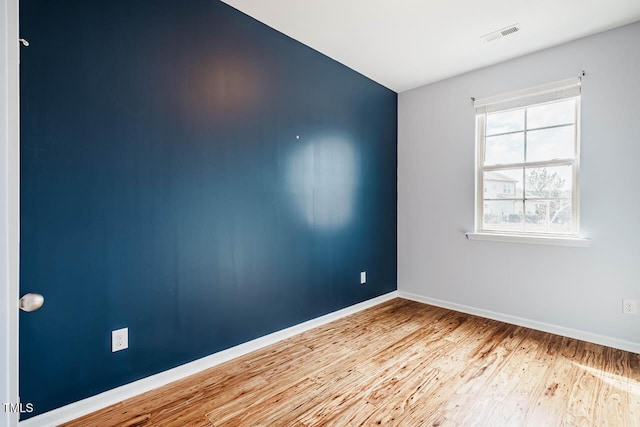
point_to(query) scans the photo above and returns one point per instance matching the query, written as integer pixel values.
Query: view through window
(528, 168)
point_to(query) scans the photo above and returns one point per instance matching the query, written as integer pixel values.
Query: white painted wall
(577, 288)
(9, 205)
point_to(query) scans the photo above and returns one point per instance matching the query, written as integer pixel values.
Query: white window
(529, 143)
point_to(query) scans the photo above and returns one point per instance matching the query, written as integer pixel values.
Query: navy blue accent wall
(195, 176)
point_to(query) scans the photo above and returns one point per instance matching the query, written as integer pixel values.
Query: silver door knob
(31, 302)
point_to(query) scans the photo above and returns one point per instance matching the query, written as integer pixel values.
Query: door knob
(31, 302)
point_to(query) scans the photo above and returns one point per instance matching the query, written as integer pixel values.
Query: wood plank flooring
(401, 363)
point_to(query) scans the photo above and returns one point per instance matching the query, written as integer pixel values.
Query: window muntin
(533, 149)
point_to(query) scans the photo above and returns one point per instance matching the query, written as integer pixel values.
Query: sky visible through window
(505, 134)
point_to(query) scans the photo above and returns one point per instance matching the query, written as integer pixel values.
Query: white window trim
(565, 89)
(559, 240)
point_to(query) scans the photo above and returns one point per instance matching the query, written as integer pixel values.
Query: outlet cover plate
(363, 277)
(629, 306)
(119, 339)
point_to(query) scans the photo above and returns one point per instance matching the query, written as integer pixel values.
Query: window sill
(536, 240)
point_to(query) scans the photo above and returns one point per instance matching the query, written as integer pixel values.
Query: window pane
(508, 121)
(504, 184)
(504, 149)
(549, 182)
(502, 215)
(557, 113)
(548, 216)
(549, 144)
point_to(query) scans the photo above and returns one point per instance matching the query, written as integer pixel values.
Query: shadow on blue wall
(195, 176)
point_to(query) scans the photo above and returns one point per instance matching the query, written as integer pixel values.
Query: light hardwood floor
(407, 364)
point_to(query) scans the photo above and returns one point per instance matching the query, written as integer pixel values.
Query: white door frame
(9, 206)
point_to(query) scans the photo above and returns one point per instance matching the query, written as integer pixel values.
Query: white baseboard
(102, 400)
(528, 323)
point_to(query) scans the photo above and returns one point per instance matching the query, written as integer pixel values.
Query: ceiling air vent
(495, 35)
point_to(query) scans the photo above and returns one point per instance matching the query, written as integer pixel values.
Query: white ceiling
(404, 44)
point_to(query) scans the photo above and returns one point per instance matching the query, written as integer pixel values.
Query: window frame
(481, 168)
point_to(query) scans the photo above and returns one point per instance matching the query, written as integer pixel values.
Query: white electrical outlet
(629, 306)
(119, 339)
(363, 277)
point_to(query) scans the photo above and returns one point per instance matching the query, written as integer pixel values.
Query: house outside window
(528, 157)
